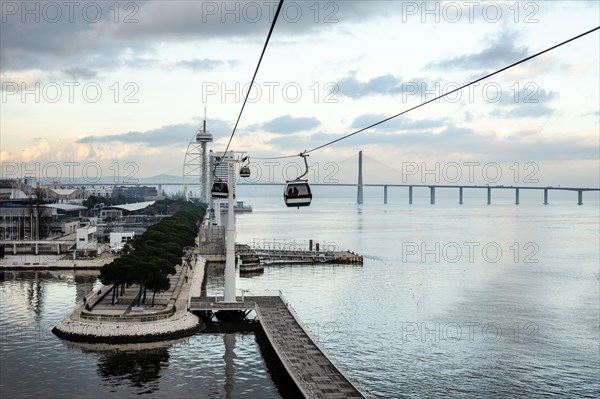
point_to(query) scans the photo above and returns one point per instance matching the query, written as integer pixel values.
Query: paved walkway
(308, 365)
(126, 304)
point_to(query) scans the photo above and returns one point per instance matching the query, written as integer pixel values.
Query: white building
(86, 239)
(100, 191)
(119, 239)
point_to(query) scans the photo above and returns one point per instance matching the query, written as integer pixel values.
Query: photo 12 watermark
(469, 252)
(293, 12)
(468, 172)
(271, 92)
(453, 12)
(276, 171)
(71, 172)
(69, 92)
(53, 12)
(465, 332)
(491, 92)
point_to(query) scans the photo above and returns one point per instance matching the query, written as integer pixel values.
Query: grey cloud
(525, 103)
(529, 146)
(81, 73)
(524, 111)
(501, 52)
(399, 124)
(176, 135)
(385, 84)
(528, 95)
(289, 124)
(80, 39)
(197, 64)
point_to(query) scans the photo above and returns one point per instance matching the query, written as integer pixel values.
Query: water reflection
(229, 356)
(134, 365)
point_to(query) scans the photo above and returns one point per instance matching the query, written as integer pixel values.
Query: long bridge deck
(311, 369)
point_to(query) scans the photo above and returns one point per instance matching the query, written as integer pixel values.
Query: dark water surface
(453, 301)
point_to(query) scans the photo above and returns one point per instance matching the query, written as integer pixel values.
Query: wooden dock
(314, 373)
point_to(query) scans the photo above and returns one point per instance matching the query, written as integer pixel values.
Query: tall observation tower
(196, 177)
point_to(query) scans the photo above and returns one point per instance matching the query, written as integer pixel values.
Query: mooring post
(516, 196)
(579, 197)
(359, 193)
(489, 195)
(460, 195)
(385, 194)
(545, 196)
(410, 194)
(432, 195)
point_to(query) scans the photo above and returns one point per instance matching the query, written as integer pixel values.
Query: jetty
(299, 256)
(307, 363)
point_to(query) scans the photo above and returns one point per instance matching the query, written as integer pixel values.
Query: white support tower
(229, 291)
(195, 166)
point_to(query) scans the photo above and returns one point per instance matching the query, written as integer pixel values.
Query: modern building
(119, 239)
(86, 240)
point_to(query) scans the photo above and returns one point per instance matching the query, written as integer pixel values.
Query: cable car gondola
(297, 192)
(220, 189)
(245, 169)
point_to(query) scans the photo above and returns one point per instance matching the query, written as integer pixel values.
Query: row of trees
(154, 254)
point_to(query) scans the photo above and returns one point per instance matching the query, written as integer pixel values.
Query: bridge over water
(431, 187)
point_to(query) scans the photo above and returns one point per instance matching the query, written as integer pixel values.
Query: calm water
(459, 301)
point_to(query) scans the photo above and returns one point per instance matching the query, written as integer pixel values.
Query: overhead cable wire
(440, 96)
(255, 73)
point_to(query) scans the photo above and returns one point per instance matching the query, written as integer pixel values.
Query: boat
(250, 263)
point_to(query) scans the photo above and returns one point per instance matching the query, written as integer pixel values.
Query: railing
(155, 317)
(329, 356)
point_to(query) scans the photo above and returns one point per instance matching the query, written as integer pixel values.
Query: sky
(119, 89)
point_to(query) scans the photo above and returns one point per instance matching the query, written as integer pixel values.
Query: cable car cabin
(244, 171)
(297, 194)
(220, 190)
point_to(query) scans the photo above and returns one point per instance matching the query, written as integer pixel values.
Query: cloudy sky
(122, 84)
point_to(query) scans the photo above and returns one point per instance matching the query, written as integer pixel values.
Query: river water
(452, 300)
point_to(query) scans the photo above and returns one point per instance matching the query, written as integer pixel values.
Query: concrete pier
(545, 196)
(306, 362)
(516, 196)
(489, 196)
(385, 194)
(580, 197)
(432, 195)
(460, 195)
(410, 192)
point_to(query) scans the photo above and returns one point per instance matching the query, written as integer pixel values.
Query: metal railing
(359, 387)
(126, 318)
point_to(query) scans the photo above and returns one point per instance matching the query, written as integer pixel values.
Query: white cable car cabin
(220, 190)
(297, 193)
